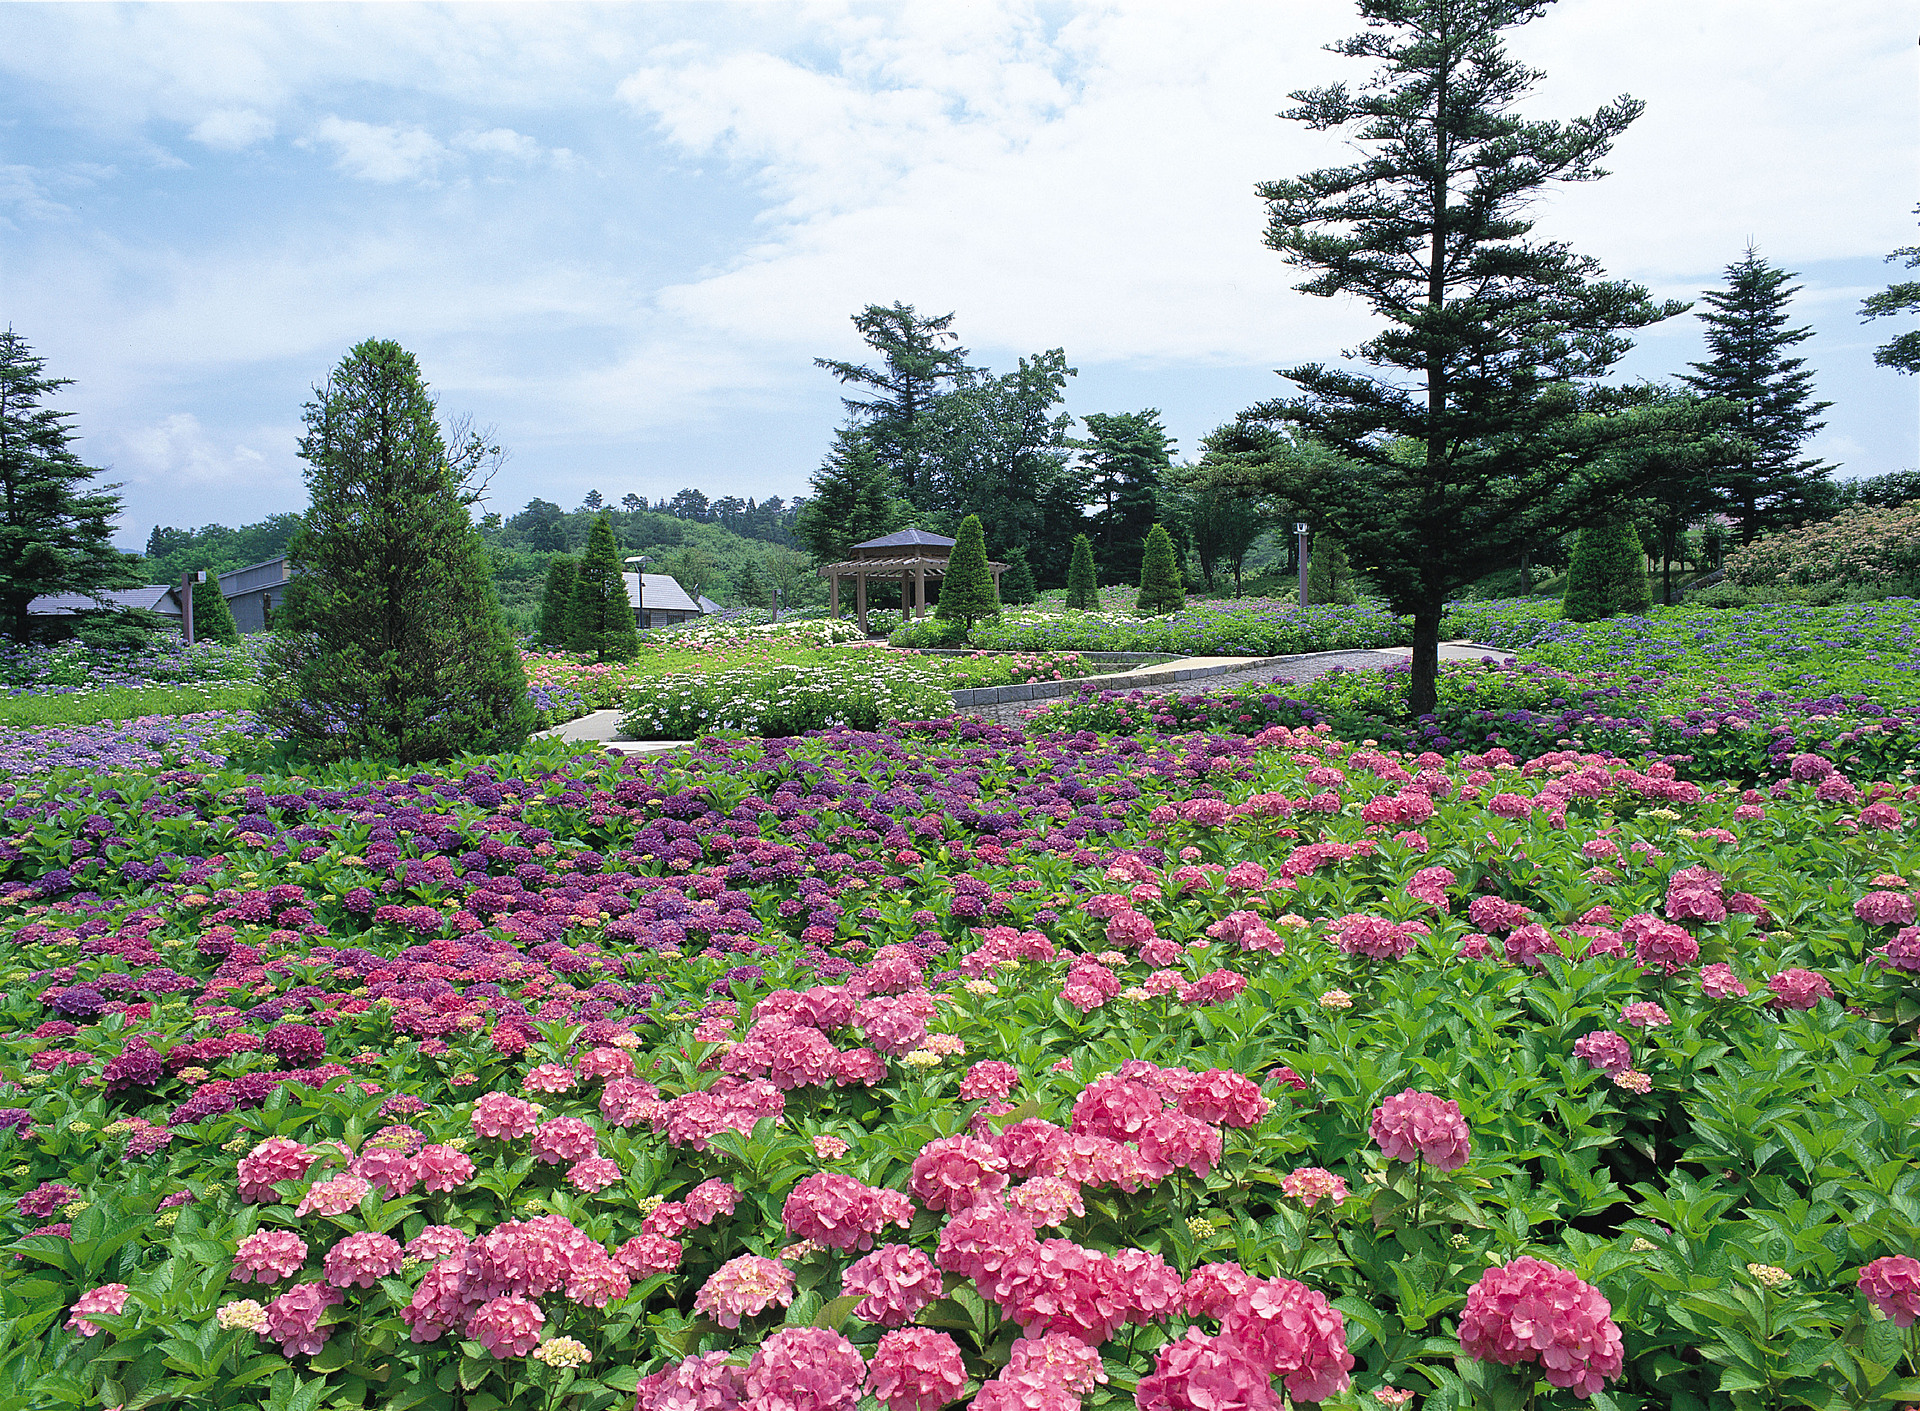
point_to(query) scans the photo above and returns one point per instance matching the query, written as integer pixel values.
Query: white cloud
(377, 153)
(501, 142)
(176, 448)
(232, 129)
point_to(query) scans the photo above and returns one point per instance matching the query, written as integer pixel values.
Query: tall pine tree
(1902, 352)
(920, 358)
(1476, 422)
(390, 643)
(556, 603)
(854, 500)
(1160, 588)
(55, 529)
(1127, 454)
(967, 592)
(1765, 483)
(600, 615)
(1083, 588)
(212, 618)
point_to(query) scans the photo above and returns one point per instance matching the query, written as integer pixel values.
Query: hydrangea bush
(953, 1064)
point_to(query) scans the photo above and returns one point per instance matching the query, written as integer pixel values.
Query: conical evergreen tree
(600, 617)
(967, 592)
(1765, 483)
(556, 604)
(390, 643)
(750, 586)
(1329, 575)
(1083, 589)
(212, 617)
(1160, 590)
(1016, 584)
(853, 500)
(1608, 574)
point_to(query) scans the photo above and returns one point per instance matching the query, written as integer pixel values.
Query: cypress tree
(1160, 590)
(1016, 584)
(1083, 591)
(212, 618)
(556, 604)
(600, 618)
(749, 586)
(1608, 574)
(1329, 575)
(390, 643)
(967, 593)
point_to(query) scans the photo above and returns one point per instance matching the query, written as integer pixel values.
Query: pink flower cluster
(957, 1173)
(293, 1319)
(1377, 938)
(1415, 1126)
(110, 1299)
(523, 1259)
(742, 1287)
(267, 1256)
(708, 1382)
(1530, 1311)
(913, 1369)
(273, 1160)
(842, 1213)
(1798, 989)
(1660, 945)
(1605, 1050)
(805, 1369)
(1695, 894)
(894, 1283)
(1893, 1285)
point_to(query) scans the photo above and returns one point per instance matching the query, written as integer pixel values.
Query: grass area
(91, 707)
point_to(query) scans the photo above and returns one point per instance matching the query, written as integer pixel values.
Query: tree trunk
(1423, 690)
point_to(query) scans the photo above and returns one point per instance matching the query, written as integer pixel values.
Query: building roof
(707, 604)
(904, 539)
(268, 573)
(154, 597)
(664, 593)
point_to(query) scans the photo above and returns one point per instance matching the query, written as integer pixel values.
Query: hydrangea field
(1205, 1071)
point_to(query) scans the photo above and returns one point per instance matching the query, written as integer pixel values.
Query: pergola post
(919, 589)
(833, 595)
(860, 598)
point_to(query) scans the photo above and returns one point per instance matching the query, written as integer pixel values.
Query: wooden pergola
(912, 555)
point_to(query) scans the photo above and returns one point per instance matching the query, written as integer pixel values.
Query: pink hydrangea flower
(1659, 945)
(565, 1139)
(916, 1369)
(1377, 938)
(392, 1173)
(1201, 1373)
(507, 1326)
(953, 1173)
(805, 1369)
(1694, 894)
(504, 1116)
(841, 1213)
(267, 1256)
(1605, 1050)
(593, 1173)
(1312, 1184)
(708, 1382)
(293, 1319)
(1226, 1099)
(742, 1287)
(273, 1160)
(110, 1299)
(709, 1200)
(1719, 982)
(989, 1079)
(1056, 1360)
(604, 1062)
(363, 1258)
(1893, 1284)
(1644, 1014)
(436, 1242)
(1116, 1108)
(1046, 1200)
(1530, 1311)
(1174, 1141)
(646, 1255)
(442, 1168)
(1415, 1126)
(1798, 989)
(335, 1197)
(894, 1283)
(1885, 909)
(1293, 1333)
(1214, 1288)
(551, 1078)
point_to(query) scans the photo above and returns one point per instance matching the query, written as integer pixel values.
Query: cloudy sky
(621, 234)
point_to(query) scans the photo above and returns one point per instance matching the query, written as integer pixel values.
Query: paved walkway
(602, 725)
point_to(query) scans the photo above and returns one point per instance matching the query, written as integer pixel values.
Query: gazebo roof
(851, 568)
(905, 538)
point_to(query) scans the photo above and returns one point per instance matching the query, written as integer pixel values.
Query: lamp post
(187, 580)
(1300, 534)
(640, 590)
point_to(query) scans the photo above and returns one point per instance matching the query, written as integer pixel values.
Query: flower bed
(1252, 627)
(787, 1069)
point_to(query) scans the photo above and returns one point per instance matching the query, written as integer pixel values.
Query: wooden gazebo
(912, 555)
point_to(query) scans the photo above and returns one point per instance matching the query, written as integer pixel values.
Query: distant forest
(703, 543)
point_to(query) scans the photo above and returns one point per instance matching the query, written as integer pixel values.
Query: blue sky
(620, 234)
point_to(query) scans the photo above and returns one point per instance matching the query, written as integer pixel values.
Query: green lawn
(123, 703)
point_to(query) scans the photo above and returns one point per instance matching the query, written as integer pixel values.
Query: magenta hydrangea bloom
(293, 1319)
(275, 1159)
(1415, 1126)
(363, 1259)
(1605, 1050)
(989, 1078)
(1530, 1311)
(335, 1197)
(914, 1369)
(953, 1173)
(842, 1213)
(442, 1168)
(1893, 1284)
(742, 1287)
(507, 1326)
(894, 1283)
(1202, 1373)
(267, 1256)
(504, 1116)
(805, 1369)
(1798, 989)
(565, 1139)
(708, 1382)
(1292, 1332)
(1885, 909)
(1226, 1099)
(1214, 1288)
(110, 1299)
